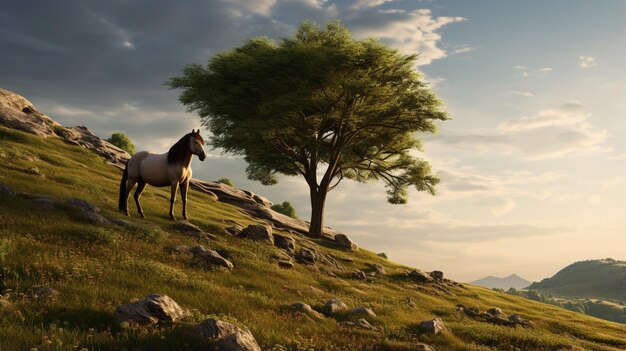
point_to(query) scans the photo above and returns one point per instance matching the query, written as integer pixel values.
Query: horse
(170, 169)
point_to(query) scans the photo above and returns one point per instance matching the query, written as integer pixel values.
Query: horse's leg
(141, 185)
(129, 187)
(184, 186)
(172, 199)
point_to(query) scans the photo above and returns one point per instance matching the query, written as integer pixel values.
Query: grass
(99, 267)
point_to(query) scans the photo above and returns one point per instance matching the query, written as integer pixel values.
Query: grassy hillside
(593, 278)
(98, 267)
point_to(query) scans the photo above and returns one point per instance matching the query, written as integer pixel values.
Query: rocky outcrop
(306, 255)
(153, 309)
(258, 232)
(226, 336)
(284, 242)
(433, 326)
(18, 113)
(420, 276)
(344, 242)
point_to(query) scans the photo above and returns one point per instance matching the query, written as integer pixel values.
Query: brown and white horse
(170, 169)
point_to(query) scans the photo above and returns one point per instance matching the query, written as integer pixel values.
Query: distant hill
(512, 281)
(605, 278)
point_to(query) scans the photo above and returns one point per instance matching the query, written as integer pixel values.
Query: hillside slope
(65, 268)
(605, 278)
(512, 281)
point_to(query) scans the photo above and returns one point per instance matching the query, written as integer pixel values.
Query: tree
(226, 181)
(320, 105)
(285, 208)
(120, 140)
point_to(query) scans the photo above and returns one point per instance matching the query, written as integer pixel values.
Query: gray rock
(306, 309)
(437, 275)
(43, 201)
(186, 227)
(433, 326)
(363, 311)
(420, 276)
(333, 306)
(379, 269)
(358, 274)
(306, 255)
(496, 312)
(210, 256)
(344, 242)
(285, 264)
(153, 309)
(34, 171)
(42, 293)
(89, 211)
(5, 189)
(424, 347)
(234, 230)
(258, 232)
(227, 336)
(285, 242)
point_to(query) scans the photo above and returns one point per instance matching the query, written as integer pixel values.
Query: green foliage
(285, 208)
(226, 181)
(318, 101)
(122, 141)
(382, 254)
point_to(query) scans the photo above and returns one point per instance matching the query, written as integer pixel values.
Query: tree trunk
(318, 200)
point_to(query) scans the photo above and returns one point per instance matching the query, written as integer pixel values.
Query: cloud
(361, 4)
(523, 93)
(586, 61)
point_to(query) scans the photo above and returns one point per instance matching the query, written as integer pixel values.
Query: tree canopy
(285, 208)
(321, 105)
(122, 141)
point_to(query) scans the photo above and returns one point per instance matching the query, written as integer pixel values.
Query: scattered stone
(363, 311)
(306, 309)
(211, 256)
(379, 269)
(181, 249)
(258, 232)
(234, 230)
(5, 189)
(227, 336)
(420, 276)
(410, 302)
(306, 255)
(437, 275)
(424, 347)
(333, 306)
(186, 227)
(344, 242)
(153, 309)
(496, 312)
(90, 211)
(358, 274)
(285, 264)
(285, 242)
(496, 316)
(41, 293)
(35, 171)
(433, 326)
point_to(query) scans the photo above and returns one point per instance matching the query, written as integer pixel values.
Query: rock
(333, 306)
(186, 227)
(234, 230)
(152, 309)
(42, 293)
(420, 276)
(43, 201)
(437, 275)
(306, 255)
(211, 256)
(424, 347)
(258, 232)
(18, 113)
(496, 312)
(363, 311)
(5, 189)
(344, 242)
(306, 309)
(358, 274)
(363, 323)
(515, 318)
(379, 269)
(433, 326)
(90, 211)
(227, 336)
(285, 264)
(35, 171)
(285, 242)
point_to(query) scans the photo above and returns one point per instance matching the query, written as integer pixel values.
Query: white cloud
(586, 61)
(523, 93)
(261, 7)
(362, 4)
(546, 70)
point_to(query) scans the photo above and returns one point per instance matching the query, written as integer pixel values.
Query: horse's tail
(122, 200)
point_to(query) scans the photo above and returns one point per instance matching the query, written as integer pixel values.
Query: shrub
(285, 208)
(383, 255)
(226, 181)
(120, 140)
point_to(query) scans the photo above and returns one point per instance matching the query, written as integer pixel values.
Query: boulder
(234, 230)
(186, 227)
(153, 309)
(89, 211)
(306, 309)
(424, 347)
(437, 275)
(433, 326)
(333, 306)
(496, 312)
(226, 336)
(358, 274)
(258, 232)
(284, 242)
(210, 256)
(285, 264)
(379, 269)
(35, 171)
(306, 255)
(363, 311)
(420, 276)
(344, 242)
(18, 113)
(42, 293)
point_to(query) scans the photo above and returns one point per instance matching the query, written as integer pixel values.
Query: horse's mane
(178, 152)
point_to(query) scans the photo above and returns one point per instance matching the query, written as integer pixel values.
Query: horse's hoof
(142, 215)
(127, 214)
(186, 218)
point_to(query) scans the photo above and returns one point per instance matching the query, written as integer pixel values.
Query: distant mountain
(605, 278)
(512, 281)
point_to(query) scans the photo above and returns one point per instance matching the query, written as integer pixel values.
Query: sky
(532, 163)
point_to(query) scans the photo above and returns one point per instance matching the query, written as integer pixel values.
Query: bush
(226, 181)
(383, 255)
(285, 208)
(120, 140)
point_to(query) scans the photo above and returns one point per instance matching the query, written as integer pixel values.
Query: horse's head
(196, 145)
